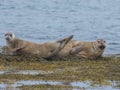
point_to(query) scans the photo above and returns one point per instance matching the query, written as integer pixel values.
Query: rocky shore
(69, 73)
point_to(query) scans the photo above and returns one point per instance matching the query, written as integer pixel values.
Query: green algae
(98, 72)
(54, 87)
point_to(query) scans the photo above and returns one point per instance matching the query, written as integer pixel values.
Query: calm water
(49, 20)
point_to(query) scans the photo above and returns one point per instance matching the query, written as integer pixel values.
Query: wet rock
(4, 50)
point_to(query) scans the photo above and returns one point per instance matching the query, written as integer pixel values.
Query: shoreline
(4, 54)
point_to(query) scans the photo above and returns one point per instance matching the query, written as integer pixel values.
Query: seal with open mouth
(82, 49)
(89, 50)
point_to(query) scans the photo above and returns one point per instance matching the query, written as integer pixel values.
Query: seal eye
(10, 35)
(5, 34)
(98, 41)
(104, 41)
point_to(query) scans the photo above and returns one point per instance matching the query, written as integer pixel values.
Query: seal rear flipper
(64, 41)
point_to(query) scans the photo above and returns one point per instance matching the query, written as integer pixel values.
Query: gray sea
(48, 20)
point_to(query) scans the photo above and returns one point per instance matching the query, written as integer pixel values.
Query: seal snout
(7, 37)
(101, 43)
(102, 46)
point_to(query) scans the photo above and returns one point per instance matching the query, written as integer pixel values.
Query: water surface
(75, 85)
(48, 20)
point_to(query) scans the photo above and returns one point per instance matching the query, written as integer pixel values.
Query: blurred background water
(48, 20)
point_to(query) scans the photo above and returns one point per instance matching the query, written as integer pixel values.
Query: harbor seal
(82, 49)
(45, 50)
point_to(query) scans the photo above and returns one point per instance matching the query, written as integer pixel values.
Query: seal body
(46, 50)
(82, 49)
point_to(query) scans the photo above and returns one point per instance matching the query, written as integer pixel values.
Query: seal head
(101, 43)
(9, 36)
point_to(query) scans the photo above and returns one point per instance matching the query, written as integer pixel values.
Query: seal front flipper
(16, 51)
(76, 49)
